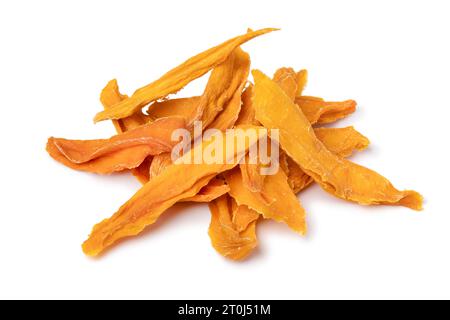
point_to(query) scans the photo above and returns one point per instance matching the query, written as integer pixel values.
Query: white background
(390, 56)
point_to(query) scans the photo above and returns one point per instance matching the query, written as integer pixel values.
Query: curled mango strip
(340, 141)
(343, 142)
(283, 207)
(160, 193)
(111, 95)
(319, 111)
(124, 151)
(177, 78)
(230, 240)
(337, 176)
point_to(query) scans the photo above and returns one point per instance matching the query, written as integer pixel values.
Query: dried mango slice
(315, 111)
(343, 142)
(340, 141)
(213, 190)
(111, 95)
(123, 151)
(225, 238)
(302, 81)
(286, 78)
(319, 111)
(179, 181)
(284, 207)
(178, 77)
(337, 176)
(223, 91)
(182, 107)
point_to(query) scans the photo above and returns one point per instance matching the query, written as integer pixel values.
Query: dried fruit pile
(237, 193)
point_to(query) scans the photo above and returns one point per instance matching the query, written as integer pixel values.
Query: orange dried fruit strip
(340, 141)
(302, 81)
(221, 102)
(283, 207)
(337, 176)
(111, 95)
(123, 151)
(319, 111)
(178, 181)
(226, 239)
(343, 142)
(178, 77)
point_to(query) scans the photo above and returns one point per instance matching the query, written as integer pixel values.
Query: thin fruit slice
(337, 176)
(177, 78)
(221, 102)
(111, 95)
(123, 151)
(319, 111)
(340, 141)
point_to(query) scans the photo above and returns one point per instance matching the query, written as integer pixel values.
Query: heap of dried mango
(239, 195)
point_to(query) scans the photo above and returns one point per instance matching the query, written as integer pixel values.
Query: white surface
(390, 56)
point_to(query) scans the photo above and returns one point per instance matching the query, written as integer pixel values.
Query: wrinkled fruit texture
(123, 151)
(237, 193)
